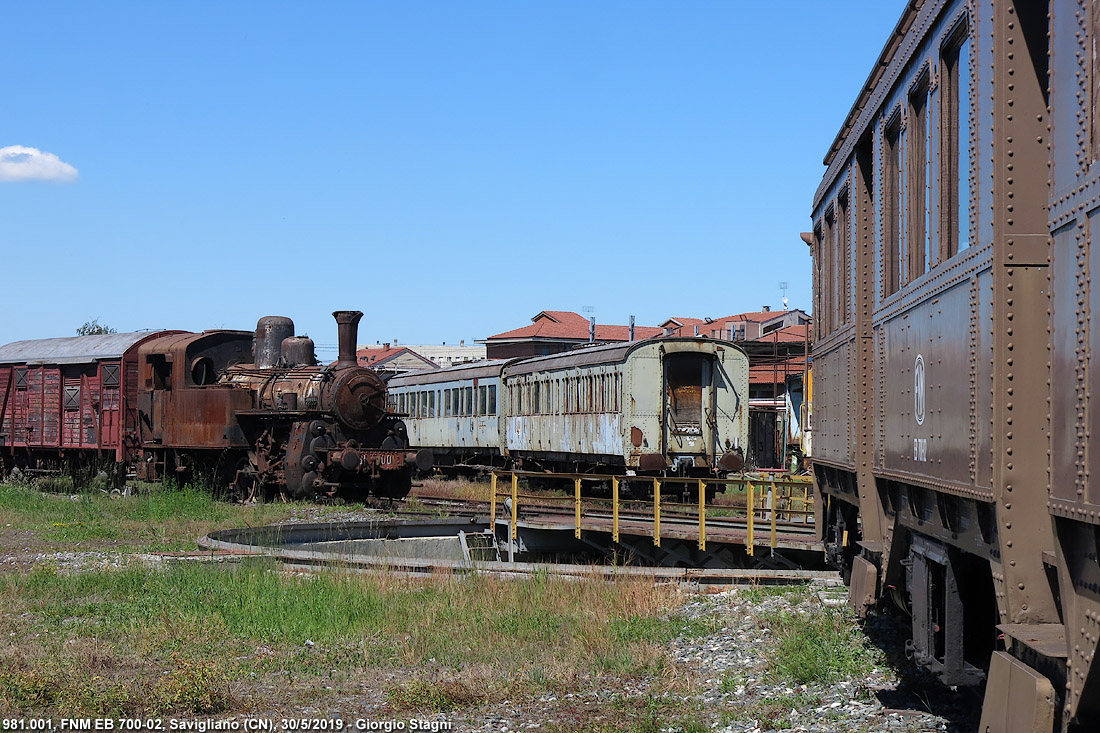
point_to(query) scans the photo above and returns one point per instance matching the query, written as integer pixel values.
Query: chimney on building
(766, 309)
(632, 328)
(592, 330)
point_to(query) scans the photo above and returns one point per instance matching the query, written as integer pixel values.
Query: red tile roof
(682, 321)
(786, 335)
(769, 373)
(573, 326)
(383, 354)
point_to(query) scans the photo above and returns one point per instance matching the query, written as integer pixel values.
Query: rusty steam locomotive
(251, 413)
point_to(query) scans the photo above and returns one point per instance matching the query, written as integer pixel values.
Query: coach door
(688, 394)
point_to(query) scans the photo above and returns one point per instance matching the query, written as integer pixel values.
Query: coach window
(955, 144)
(893, 205)
(920, 192)
(110, 375)
(845, 247)
(492, 399)
(819, 280)
(162, 371)
(431, 403)
(829, 284)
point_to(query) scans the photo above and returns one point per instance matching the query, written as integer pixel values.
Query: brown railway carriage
(952, 259)
(70, 396)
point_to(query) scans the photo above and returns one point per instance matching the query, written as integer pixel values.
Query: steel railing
(769, 501)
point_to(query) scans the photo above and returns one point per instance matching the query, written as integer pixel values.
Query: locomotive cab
(179, 404)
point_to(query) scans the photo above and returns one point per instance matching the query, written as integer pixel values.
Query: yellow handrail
(577, 507)
(657, 512)
(615, 509)
(794, 490)
(773, 499)
(702, 514)
(493, 501)
(515, 506)
(749, 540)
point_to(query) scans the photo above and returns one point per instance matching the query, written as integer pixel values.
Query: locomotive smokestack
(347, 324)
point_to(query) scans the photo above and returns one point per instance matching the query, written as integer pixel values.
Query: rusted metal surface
(271, 331)
(298, 351)
(71, 396)
(347, 323)
(198, 406)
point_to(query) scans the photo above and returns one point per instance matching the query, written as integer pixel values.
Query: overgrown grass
(469, 639)
(162, 518)
(820, 644)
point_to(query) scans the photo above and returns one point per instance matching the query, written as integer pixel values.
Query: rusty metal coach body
(951, 241)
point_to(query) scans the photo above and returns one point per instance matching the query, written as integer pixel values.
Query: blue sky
(448, 168)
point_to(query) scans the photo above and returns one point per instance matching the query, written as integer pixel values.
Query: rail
(769, 502)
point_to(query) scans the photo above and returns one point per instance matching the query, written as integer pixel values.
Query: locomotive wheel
(395, 484)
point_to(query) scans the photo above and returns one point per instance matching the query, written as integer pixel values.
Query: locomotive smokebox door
(360, 400)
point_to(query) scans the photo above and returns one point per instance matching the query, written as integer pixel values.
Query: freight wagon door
(686, 375)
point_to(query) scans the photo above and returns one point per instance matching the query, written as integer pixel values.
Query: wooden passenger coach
(69, 394)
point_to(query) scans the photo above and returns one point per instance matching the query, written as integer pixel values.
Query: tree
(94, 328)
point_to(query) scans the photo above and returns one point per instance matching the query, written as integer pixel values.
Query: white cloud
(20, 163)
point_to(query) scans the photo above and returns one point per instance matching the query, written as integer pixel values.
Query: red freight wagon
(75, 394)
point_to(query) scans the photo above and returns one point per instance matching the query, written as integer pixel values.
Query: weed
(821, 645)
(756, 594)
(193, 688)
(731, 681)
(439, 696)
(22, 689)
